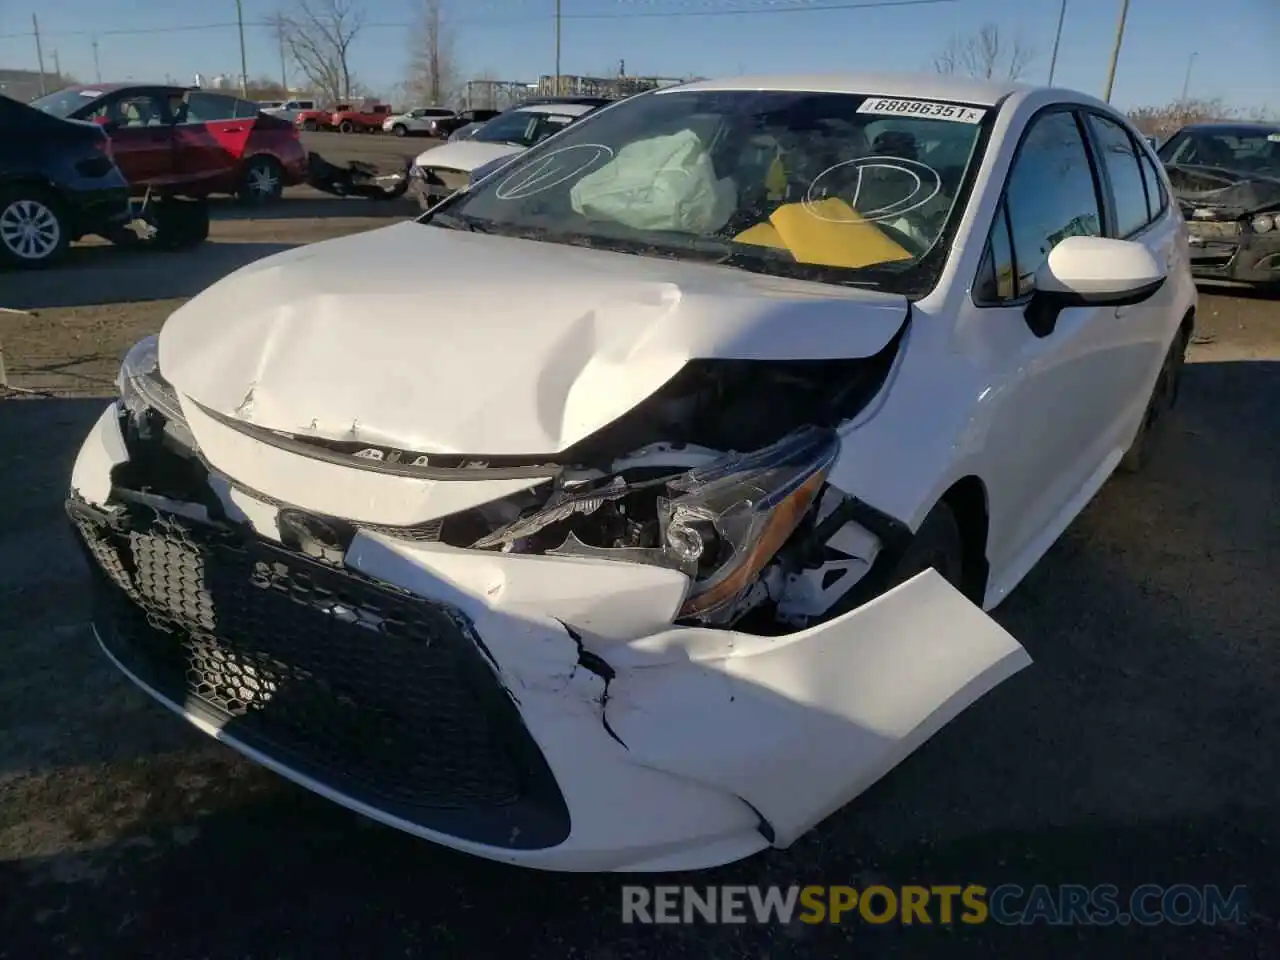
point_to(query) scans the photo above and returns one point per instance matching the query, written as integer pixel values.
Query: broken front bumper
(1231, 250)
(535, 710)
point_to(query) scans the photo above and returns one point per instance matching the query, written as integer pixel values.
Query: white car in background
(669, 524)
(439, 171)
(289, 109)
(420, 121)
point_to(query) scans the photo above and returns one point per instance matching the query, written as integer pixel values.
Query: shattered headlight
(720, 524)
(143, 390)
(724, 522)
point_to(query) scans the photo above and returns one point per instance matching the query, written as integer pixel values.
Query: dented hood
(465, 155)
(449, 342)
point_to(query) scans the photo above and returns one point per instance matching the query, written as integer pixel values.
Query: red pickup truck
(188, 142)
(367, 118)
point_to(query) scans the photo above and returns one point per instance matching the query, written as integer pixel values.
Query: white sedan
(421, 120)
(439, 171)
(668, 525)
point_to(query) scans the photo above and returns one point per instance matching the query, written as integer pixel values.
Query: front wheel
(937, 544)
(346, 126)
(33, 227)
(400, 130)
(310, 126)
(1155, 418)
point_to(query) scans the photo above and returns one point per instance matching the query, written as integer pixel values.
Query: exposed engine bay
(720, 474)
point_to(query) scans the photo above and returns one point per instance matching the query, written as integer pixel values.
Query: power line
(774, 8)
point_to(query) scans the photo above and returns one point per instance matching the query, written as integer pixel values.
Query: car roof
(565, 109)
(131, 84)
(915, 86)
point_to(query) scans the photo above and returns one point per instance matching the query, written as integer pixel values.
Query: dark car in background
(445, 126)
(58, 182)
(184, 141)
(1226, 177)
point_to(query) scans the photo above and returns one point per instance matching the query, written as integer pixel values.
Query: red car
(188, 142)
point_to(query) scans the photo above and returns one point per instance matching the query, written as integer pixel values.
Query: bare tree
(985, 55)
(1163, 121)
(433, 69)
(318, 35)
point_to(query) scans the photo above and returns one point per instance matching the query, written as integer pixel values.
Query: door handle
(234, 129)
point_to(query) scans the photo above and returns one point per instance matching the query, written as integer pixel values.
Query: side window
(1119, 156)
(139, 110)
(995, 283)
(1157, 198)
(208, 107)
(1050, 194)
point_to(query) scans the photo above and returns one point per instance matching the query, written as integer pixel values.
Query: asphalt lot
(1141, 747)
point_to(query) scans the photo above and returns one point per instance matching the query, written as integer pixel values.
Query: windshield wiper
(454, 221)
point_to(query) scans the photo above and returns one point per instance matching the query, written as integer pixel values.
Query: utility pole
(35, 28)
(1057, 39)
(57, 67)
(557, 93)
(97, 69)
(284, 63)
(1186, 81)
(1115, 51)
(244, 67)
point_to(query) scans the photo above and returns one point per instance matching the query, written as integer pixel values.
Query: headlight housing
(1264, 222)
(720, 524)
(144, 392)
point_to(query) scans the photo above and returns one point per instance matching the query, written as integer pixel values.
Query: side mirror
(1091, 272)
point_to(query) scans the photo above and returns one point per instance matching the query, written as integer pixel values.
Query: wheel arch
(968, 501)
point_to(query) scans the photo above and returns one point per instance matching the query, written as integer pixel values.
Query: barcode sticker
(924, 109)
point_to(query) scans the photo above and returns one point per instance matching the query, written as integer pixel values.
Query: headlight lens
(143, 389)
(1264, 222)
(720, 524)
(725, 521)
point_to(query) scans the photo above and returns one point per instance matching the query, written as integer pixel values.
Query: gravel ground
(1141, 747)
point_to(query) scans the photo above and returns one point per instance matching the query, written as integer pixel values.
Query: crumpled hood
(443, 341)
(1226, 193)
(464, 155)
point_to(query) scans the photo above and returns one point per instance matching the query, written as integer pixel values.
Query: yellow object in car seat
(828, 233)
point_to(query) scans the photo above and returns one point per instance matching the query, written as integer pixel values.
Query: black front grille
(363, 687)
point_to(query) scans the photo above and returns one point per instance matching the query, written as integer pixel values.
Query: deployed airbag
(663, 183)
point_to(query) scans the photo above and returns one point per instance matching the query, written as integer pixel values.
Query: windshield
(836, 187)
(521, 128)
(1248, 150)
(63, 103)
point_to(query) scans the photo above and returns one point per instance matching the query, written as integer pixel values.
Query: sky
(1231, 46)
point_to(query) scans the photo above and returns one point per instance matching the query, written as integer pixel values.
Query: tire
(937, 544)
(1164, 396)
(181, 224)
(346, 126)
(400, 130)
(34, 228)
(310, 126)
(261, 182)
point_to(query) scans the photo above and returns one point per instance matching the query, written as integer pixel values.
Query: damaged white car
(665, 524)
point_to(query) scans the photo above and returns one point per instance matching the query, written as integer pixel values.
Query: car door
(210, 136)
(1138, 206)
(139, 124)
(1052, 425)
